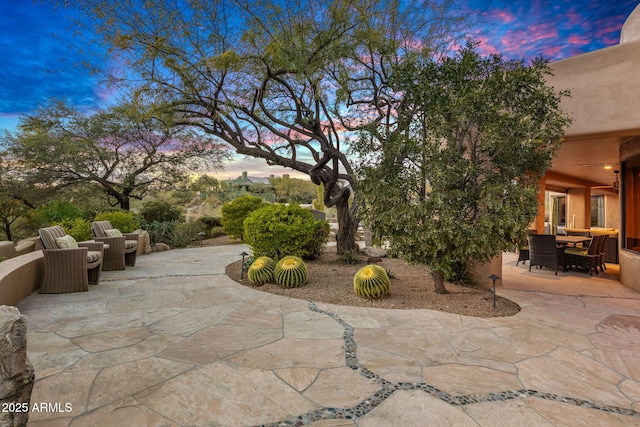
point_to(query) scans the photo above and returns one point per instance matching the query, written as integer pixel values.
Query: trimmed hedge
(124, 221)
(235, 212)
(278, 230)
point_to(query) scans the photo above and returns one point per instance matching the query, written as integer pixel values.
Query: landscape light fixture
(243, 254)
(494, 278)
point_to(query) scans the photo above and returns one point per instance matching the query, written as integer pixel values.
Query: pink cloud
(503, 16)
(578, 40)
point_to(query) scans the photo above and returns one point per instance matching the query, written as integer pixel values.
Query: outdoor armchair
(123, 248)
(544, 252)
(586, 258)
(68, 269)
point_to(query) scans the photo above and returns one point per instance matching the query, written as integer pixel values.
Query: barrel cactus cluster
(371, 282)
(261, 271)
(291, 272)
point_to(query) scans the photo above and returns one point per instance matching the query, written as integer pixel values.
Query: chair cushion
(129, 244)
(66, 242)
(113, 233)
(93, 256)
(576, 251)
(48, 236)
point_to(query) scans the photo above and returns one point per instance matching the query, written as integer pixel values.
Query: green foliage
(216, 232)
(350, 258)
(159, 232)
(278, 230)
(291, 272)
(371, 282)
(2, 258)
(160, 211)
(458, 179)
(127, 149)
(57, 211)
(235, 212)
(185, 233)
(210, 221)
(212, 226)
(124, 221)
(78, 228)
(261, 271)
(293, 190)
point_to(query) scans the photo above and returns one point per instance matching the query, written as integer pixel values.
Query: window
(597, 211)
(631, 204)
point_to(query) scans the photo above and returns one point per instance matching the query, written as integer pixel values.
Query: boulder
(144, 243)
(375, 251)
(16, 371)
(161, 247)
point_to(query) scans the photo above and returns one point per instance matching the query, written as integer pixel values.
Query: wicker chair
(122, 249)
(544, 252)
(586, 258)
(601, 252)
(72, 269)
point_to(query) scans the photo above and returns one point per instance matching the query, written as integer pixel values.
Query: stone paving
(174, 342)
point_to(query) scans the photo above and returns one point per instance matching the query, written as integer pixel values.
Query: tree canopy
(457, 178)
(127, 150)
(277, 80)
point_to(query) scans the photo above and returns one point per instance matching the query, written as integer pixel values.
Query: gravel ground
(331, 281)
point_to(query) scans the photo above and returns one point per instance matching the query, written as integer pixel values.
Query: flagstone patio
(174, 342)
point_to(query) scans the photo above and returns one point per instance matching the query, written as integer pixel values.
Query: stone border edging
(388, 388)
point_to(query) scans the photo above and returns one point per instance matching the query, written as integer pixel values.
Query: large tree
(277, 80)
(457, 179)
(127, 150)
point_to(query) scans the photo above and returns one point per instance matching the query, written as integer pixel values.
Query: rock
(144, 247)
(375, 251)
(16, 371)
(161, 247)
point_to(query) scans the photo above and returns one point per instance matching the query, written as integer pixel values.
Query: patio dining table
(572, 240)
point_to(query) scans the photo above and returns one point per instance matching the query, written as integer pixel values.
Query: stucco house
(599, 162)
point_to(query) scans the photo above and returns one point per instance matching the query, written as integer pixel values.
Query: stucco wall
(600, 82)
(20, 276)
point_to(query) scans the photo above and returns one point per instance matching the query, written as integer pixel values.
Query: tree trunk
(7, 231)
(347, 228)
(438, 282)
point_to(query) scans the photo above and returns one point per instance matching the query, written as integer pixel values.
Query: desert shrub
(159, 232)
(235, 212)
(211, 225)
(184, 233)
(78, 228)
(160, 211)
(278, 230)
(216, 232)
(210, 221)
(124, 221)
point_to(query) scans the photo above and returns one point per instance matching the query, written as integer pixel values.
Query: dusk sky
(37, 62)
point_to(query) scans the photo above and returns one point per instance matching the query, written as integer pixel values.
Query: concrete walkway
(174, 342)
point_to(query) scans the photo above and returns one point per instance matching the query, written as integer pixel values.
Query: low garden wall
(20, 276)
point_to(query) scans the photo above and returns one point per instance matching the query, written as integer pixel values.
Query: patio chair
(544, 252)
(586, 258)
(602, 252)
(523, 249)
(123, 248)
(68, 266)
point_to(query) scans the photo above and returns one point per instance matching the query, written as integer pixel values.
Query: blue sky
(39, 62)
